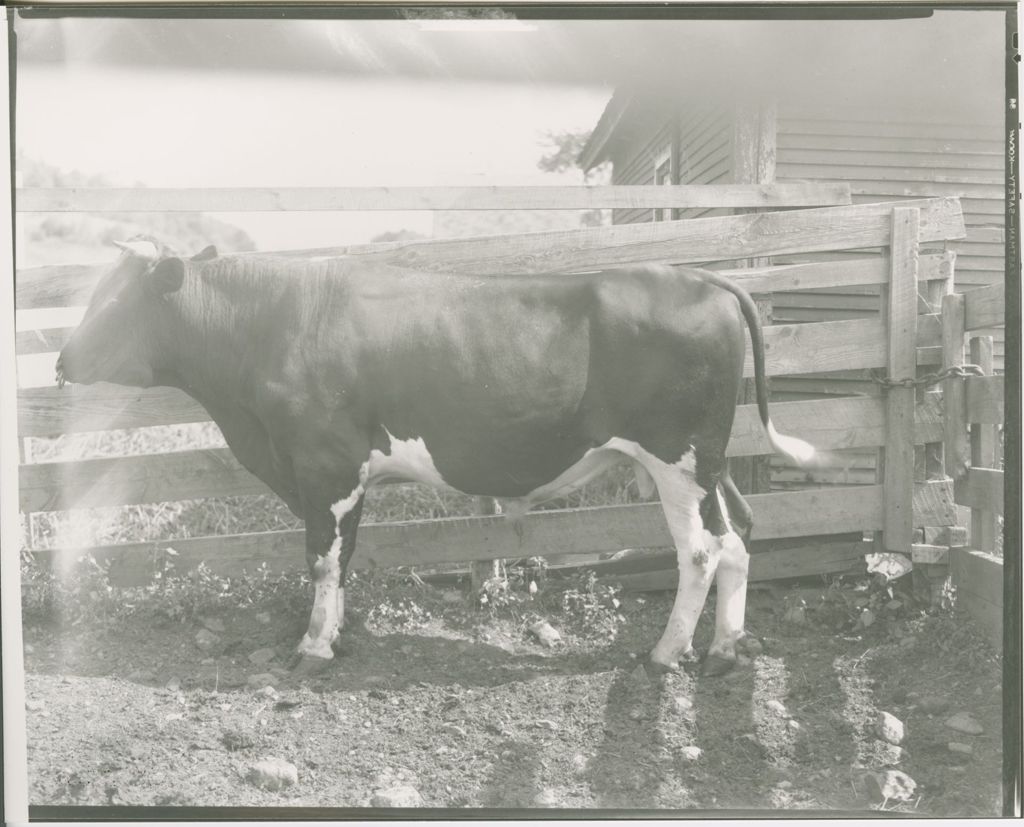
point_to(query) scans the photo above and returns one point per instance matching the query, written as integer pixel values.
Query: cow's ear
(205, 254)
(166, 275)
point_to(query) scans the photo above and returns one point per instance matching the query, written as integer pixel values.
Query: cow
(329, 375)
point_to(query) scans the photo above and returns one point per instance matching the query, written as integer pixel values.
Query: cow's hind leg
(681, 497)
(731, 579)
(330, 541)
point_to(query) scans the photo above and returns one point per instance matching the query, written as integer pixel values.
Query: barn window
(663, 177)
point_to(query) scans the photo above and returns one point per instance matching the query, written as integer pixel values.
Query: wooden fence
(912, 335)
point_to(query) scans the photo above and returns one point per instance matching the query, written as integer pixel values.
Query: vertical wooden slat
(482, 570)
(898, 521)
(753, 162)
(956, 447)
(930, 462)
(983, 453)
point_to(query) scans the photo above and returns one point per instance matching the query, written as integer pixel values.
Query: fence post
(482, 570)
(983, 453)
(957, 450)
(753, 162)
(928, 457)
(898, 518)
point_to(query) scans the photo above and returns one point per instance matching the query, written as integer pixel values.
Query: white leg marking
(328, 613)
(696, 553)
(732, 595)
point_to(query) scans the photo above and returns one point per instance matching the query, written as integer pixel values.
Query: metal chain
(955, 371)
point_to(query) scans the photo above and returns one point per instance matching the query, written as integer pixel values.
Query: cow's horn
(146, 249)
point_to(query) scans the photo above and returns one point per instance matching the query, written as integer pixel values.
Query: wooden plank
(981, 488)
(950, 134)
(51, 411)
(978, 577)
(276, 199)
(985, 307)
(985, 397)
(863, 174)
(956, 448)
(901, 364)
(900, 145)
(781, 564)
(924, 189)
(929, 554)
(933, 503)
(858, 157)
(984, 448)
(56, 486)
(694, 241)
(540, 533)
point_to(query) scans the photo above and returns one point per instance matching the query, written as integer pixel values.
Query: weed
(593, 606)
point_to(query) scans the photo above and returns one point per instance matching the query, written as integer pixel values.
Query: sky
(203, 128)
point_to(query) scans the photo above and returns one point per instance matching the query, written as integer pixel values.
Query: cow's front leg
(330, 541)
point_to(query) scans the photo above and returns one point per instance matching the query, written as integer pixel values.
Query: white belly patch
(409, 460)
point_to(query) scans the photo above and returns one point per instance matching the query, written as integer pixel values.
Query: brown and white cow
(328, 376)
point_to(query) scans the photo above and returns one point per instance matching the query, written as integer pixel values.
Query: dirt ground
(469, 710)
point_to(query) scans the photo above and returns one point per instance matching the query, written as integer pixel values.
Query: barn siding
(889, 156)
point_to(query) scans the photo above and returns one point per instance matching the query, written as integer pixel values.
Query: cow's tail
(798, 451)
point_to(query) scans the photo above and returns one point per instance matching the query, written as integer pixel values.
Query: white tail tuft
(800, 452)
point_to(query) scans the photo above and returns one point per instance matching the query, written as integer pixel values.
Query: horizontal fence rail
(267, 199)
(567, 251)
(544, 533)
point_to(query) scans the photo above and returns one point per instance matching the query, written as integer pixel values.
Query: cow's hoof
(716, 665)
(305, 666)
(654, 669)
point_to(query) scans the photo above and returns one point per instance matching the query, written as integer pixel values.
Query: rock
(795, 615)
(173, 685)
(214, 624)
(454, 730)
(777, 707)
(206, 640)
(452, 598)
(400, 795)
(691, 753)
(894, 604)
(889, 728)
(545, 633)
(636, 715)
(263, 618)
(683, 704)
(545, 798)
(867, 618)
(273, 774)
(28, 648)
(794, 724)
(965, 723)
(546, 724)
(262, 679)
(262, 656)
(639, 676)
(961, 749)
(208, 661)
(908, 641)
(784, 785)
(234, 739)
(889, 785)
(579, 763)
(933, 704)
(34, 705)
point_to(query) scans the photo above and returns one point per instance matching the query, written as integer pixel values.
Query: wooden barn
(939, 139)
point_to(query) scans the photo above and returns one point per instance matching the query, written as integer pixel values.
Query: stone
(961, 749)
(452, 598)
(777, 707)
(208, 661)
(933, 704)
(261, 680)
(213, 624)
(263, 618)
(399, 795)
(34, 705)
(867, 618)
(794, 724)
(273, 774)
(683, 704)
(579, 763)
(691, 753)
(206, 640)
(173, 685)
(262, 656)
(545, 798)
(785, 784)
(454, 730)
(889, 785)
(795, 615)
(964, 722)
(545, 633)
(889, 728)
